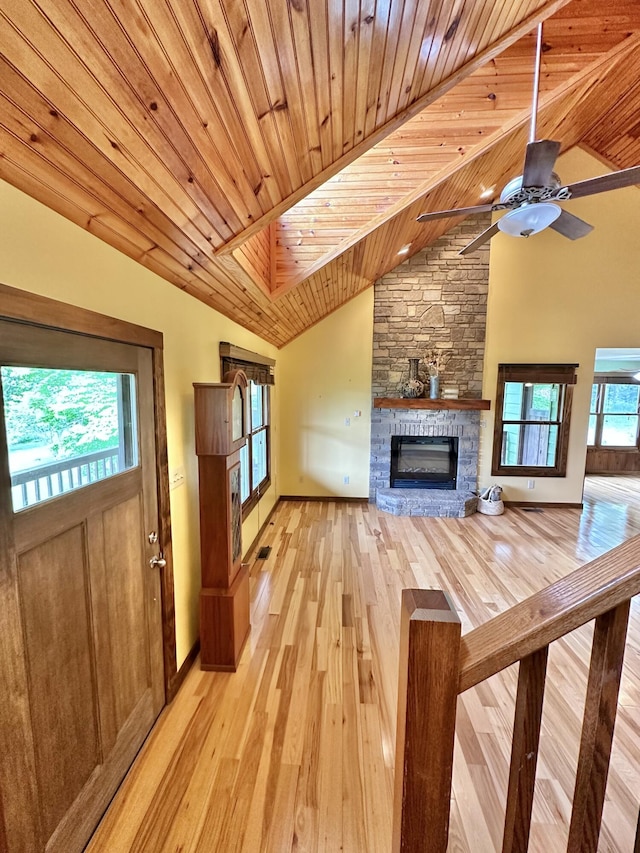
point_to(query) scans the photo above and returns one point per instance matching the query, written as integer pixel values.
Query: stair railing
(437, 664)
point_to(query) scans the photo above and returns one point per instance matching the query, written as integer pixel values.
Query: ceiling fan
(531, 198)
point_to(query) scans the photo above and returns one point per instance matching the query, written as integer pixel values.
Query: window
(255, 456)
(613, 418)
(66, 429)
(533, 408)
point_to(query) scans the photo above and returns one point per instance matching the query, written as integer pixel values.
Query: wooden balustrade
(436, 664)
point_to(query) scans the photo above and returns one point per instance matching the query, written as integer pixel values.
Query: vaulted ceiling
(269, 157)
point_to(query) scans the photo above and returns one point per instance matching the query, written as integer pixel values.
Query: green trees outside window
(613, 418)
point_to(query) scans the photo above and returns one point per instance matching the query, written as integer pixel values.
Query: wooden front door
(81, 658)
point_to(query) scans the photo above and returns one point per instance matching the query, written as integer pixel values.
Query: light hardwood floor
(295, 751)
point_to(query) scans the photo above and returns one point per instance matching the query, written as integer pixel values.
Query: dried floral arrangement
(436, 361)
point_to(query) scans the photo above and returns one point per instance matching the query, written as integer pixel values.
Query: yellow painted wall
(555, 300)
(325, 377)
(42, 252)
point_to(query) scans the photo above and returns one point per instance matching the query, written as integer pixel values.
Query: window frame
(259, 370)
(601, 380)
(558, 374)
(256, 491)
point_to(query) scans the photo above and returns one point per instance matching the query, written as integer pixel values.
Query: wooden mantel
(427, 403)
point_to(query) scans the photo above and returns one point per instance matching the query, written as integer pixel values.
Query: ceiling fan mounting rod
(536, 86)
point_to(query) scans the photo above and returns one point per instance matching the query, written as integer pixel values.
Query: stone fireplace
(461, 424)
(424, 462)
(434, 300)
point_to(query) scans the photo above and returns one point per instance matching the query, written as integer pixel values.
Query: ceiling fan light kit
(530, 198)
(529, 219)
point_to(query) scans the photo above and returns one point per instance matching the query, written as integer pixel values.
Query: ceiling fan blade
(604, 183)
(458, 211)
(539, 162)
(486, 235)
(571, 226)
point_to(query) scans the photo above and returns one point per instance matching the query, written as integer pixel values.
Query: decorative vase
(434, 387)
(413, 386)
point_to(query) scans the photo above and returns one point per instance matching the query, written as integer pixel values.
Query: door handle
(157, 562)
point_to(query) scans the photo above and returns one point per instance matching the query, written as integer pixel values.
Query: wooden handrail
(593, 589)
(437, 665)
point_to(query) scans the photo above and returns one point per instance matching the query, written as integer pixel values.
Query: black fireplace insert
(423, 462)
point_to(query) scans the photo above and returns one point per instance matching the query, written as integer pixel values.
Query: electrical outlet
(531, 484)
(345, 479)
(176, 478)
(347, 421)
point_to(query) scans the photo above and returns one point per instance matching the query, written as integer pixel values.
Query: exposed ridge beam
(480, 59)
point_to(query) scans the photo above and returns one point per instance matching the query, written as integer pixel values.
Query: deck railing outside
(47, 481)
(436, 664)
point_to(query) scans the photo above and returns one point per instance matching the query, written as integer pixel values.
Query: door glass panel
(237, 415)
(66, 429)
(236, 515)
(591, 435)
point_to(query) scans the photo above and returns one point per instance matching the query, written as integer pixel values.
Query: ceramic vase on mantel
(434, 387)
(413, 386)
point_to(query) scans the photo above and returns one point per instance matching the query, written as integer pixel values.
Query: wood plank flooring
(295, 751)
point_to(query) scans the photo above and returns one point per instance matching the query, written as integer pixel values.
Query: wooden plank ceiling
(269, 157)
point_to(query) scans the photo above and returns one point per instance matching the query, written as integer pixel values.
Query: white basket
(490, 507)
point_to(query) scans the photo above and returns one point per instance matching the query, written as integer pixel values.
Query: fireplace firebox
(423, 462)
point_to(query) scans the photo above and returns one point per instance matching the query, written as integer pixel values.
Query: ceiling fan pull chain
(536, 86)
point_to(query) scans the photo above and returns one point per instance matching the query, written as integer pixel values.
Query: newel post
(427, 693)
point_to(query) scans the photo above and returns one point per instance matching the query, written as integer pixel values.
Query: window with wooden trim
(614, 421)
(533, 410)
(255, 456)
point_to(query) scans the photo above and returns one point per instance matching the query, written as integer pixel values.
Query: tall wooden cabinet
(220, 419)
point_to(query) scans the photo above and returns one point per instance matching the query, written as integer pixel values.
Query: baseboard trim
(181, 674)
(544, 504)
(333, 499)
(261, 531)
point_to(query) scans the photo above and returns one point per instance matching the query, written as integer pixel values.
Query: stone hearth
(434, 503)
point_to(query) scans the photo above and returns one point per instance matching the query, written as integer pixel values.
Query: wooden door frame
(25, 307)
